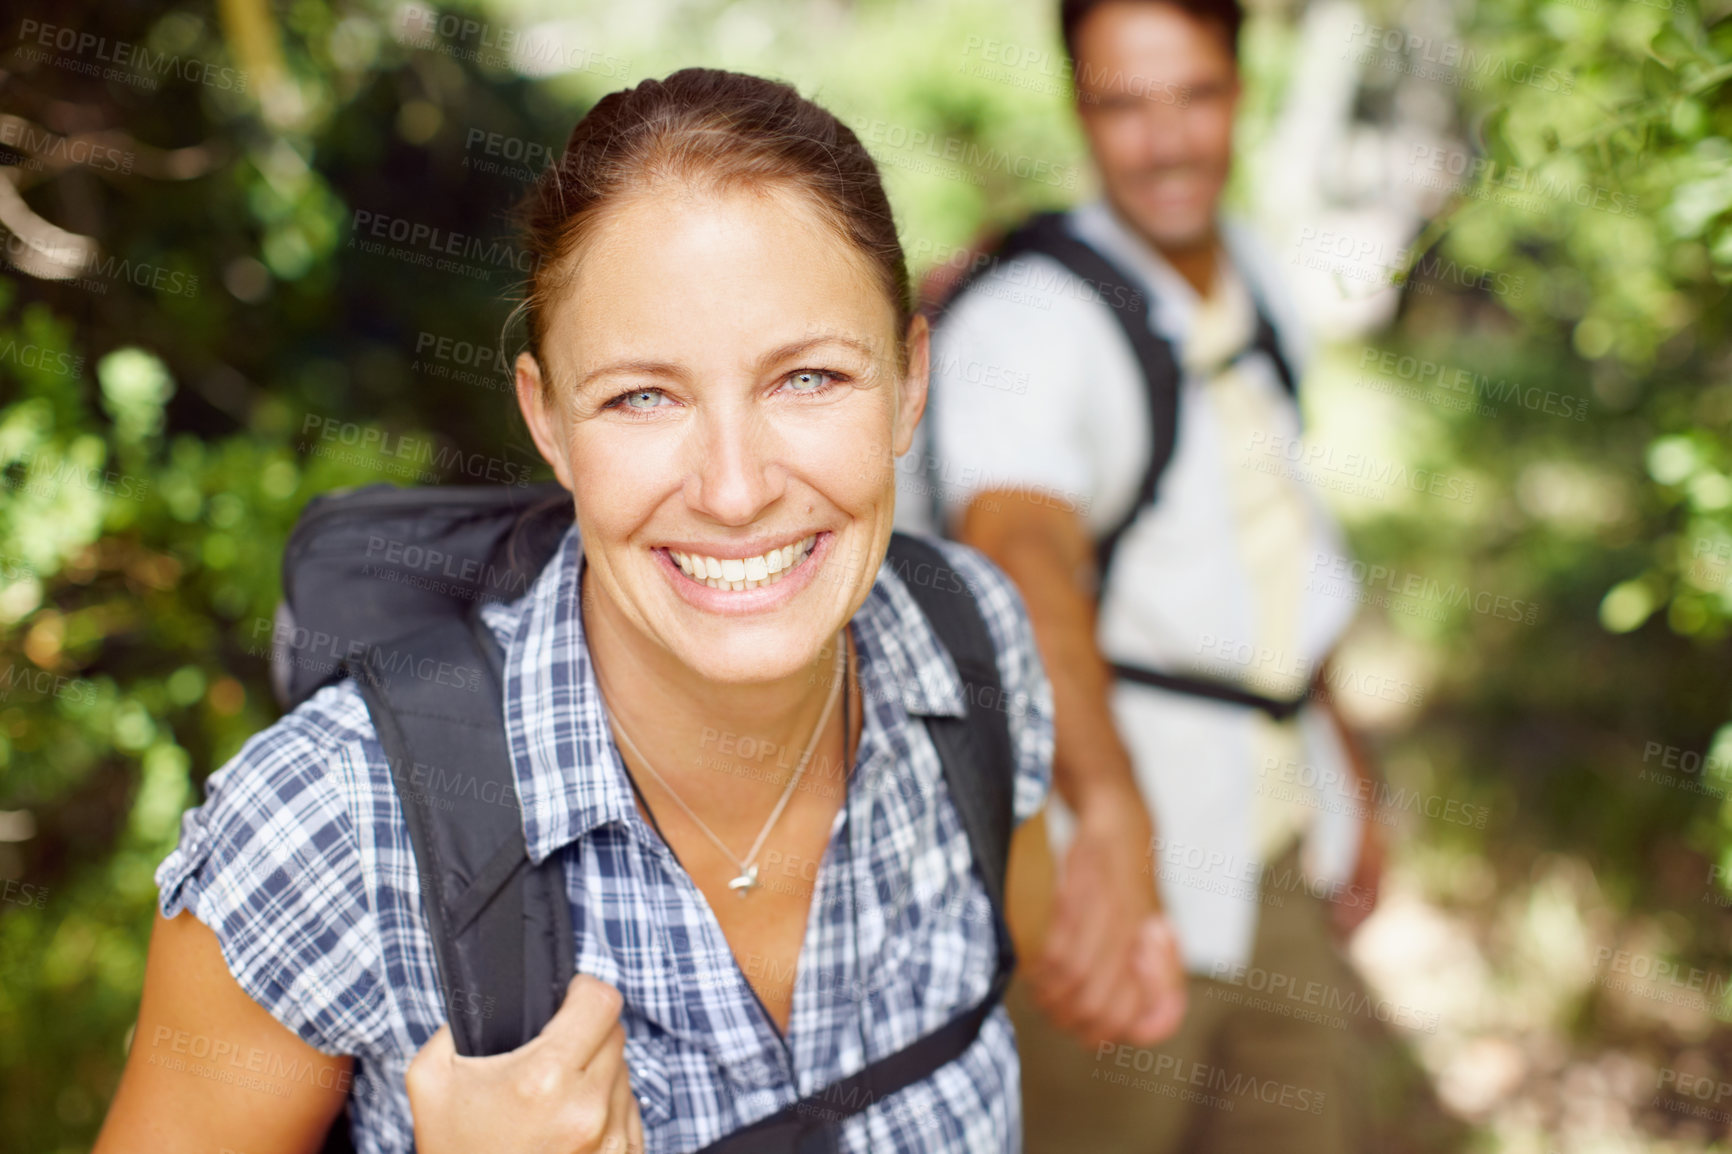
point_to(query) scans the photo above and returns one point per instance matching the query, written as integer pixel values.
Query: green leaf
(1657, 79)
(1494, 136)
(1671, 460)
(1670, 46)
(1627, 605)
(135, 386)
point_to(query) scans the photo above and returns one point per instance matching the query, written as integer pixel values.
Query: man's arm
(1110, 968)
(1361, 898)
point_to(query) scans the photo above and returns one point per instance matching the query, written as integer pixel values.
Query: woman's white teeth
(743, 572)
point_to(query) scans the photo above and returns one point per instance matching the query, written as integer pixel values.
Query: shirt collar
(1175, 306)
(569, 777)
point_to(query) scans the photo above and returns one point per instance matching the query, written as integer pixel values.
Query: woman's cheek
(856, 473)
(863, 459)
(612, 475)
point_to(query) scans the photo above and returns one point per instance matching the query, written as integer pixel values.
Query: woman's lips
(768, 594)
(743, 573)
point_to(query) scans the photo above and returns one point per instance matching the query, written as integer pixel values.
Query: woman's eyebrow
(795, 348)
(775, 355)
(640, 368)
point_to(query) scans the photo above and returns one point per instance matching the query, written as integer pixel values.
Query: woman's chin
(753, 661)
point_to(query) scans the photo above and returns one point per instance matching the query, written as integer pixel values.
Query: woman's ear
(540, 413)
(911, 402)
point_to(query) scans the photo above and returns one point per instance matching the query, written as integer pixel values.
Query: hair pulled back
(715, 130)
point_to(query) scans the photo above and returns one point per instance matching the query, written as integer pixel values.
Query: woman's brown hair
(717, 130)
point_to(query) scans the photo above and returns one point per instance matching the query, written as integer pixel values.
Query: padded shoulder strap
(976, 751)
(1046, 234)
(1268, 343)
(367, 565)
(501, 926)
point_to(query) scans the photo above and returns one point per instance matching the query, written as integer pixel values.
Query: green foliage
(1617, 524)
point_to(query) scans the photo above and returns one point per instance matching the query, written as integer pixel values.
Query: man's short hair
(1227, 15)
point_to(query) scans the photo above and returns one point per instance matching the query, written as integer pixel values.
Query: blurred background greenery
(193, 295)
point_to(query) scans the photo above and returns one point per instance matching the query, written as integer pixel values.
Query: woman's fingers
(634, 1128)
(440, 1045)
(568, 1089)
(584, 1021)
(621, 1112)
(430, 1062)
(608, 1060)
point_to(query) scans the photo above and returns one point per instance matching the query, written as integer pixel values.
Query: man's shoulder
(1028, 297)
(1255, 257)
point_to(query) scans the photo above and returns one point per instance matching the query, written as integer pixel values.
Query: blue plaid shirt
(300, 862)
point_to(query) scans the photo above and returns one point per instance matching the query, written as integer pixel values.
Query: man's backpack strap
(501, 926)
(1268, 342)
(1046, 234)
(1214, 689)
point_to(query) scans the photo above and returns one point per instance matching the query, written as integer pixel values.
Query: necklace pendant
(746, 882)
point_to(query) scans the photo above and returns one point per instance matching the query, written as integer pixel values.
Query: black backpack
(383, 584)
(1046, 234)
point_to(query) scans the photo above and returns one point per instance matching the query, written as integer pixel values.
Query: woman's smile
(742, 571)
(744, 583)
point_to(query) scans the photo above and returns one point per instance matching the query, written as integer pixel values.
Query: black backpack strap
(501, 926)
(978, 760)
(810, 1125)
(376, 563)
(1046, 234)
(976, 750)
(1277, 708)
(1268, 342)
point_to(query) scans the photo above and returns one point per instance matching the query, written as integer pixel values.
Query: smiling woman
(722, 366)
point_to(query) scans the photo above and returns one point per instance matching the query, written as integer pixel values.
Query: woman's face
(722, 398)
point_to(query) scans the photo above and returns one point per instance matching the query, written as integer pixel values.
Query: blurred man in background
(1113, 405)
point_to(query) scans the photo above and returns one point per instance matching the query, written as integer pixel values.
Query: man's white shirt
(1035, 387)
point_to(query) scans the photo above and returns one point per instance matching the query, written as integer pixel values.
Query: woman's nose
(735, 473)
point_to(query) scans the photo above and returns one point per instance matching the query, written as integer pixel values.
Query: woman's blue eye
(642, 398)
(809, 380)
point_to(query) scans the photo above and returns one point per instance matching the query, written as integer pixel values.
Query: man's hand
(1360, 900)
(1110, 969)
(565, 1091)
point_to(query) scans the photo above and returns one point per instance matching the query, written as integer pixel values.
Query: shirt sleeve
(1027, 691)
(1009, 382)
(271, 862)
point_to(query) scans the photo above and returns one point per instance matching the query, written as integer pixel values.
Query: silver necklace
(747, 880)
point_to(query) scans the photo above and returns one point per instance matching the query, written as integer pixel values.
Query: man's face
(1156, 92)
